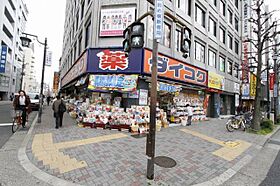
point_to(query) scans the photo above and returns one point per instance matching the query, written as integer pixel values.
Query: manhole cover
(165, 162)
(139, 135)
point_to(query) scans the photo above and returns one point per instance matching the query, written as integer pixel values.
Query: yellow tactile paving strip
(45, 150)
(229, 151)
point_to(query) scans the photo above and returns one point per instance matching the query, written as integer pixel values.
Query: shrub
(267, 124)
(278, 120)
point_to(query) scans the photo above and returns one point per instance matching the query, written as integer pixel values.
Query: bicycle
(17, 120)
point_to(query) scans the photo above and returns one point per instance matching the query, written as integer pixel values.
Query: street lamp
(25, 42)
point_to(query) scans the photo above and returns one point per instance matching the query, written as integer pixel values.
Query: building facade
(13, 17)
(215, 50)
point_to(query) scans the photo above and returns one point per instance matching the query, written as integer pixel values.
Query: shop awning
(69, 85)
(82, 81)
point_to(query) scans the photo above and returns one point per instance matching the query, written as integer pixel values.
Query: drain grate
(164, 161)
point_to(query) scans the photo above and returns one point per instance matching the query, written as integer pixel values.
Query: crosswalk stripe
(5, 124)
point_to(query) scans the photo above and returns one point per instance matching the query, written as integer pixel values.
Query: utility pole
(276, 82)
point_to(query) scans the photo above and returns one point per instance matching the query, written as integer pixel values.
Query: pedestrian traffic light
(137, 35)
(186, 42)
(127, 41)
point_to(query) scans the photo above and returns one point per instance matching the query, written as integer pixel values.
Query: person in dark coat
(58, 108)
(22, 102)
(48, 100)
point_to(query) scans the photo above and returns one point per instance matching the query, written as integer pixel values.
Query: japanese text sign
(175, 70)
(113, 82)
(271, 80)
(159, 16)
(3, 58)
(168, 87)
(77, 69)
(253, 85)
(216, 81)
(114, 61)
(114, 21)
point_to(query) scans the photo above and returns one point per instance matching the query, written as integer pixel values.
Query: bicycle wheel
(15, 125)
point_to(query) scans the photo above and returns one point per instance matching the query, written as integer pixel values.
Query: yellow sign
(253, 85)
(216, 81)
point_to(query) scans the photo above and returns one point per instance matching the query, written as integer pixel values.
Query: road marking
(48, 152)
(230, 149)
(5, 124)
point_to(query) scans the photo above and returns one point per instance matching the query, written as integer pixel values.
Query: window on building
(150, 28)
(230, 42)
(235, 70)
(199, 15)
(82, 9)
(14, 81)
(230, 16)
(199, 52)
(222, 35)
(167, 35)
(236, 47)
(229, 67)
(211, 58)
(212, 27)
(80, 45)
(222, 64)
(87, 34)
(15, 69)
(184, 5)
(75, 52)
(236, 3)
(223, 8)
(214, 2)
(178, 40)
(236, 26)
(77, 20)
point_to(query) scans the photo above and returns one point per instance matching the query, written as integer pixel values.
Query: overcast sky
(46, 19)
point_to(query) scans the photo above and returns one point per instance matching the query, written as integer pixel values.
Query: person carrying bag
(58, 108)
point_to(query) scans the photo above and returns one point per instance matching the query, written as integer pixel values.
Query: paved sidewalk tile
(115, 158)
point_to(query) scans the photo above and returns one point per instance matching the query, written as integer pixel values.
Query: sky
(46, 19)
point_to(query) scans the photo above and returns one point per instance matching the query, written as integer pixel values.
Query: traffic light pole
(150, 146)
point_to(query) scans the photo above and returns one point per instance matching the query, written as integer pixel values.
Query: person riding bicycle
(22, 102)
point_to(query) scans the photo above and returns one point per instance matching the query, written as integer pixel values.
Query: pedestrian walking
(190, 114)
(58, 108)
(12, 97)
(22, 102)
(48, 100)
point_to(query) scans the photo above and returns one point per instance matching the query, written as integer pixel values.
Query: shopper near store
(190, 114)
(22, 102)
(58, 108)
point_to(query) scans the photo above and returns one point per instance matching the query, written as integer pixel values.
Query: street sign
(49, 59)
(275, 91)
(4, 51)
(159, 19)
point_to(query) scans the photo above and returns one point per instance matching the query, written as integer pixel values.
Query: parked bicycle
(17, 120)
(239, 122)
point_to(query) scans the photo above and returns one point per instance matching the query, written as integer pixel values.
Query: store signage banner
(115, 20)
(55, 82)
(126, 83)
(236, 88)
(216, 81)
(159, 19)
(143, 97)
(76, 70)
(114, 61)
(271, 80)
(253, 85)
(4, 50)
(175, 70)
(168, 87)
(246, 91)
(49, 58)
(236, 100)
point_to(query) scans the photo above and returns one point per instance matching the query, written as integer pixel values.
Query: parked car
(34, 99)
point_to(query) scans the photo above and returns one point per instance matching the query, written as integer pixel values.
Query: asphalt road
(272, 177)
(5, 118)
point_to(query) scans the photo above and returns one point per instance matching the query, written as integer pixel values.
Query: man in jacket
(22, 102)
(58, 109)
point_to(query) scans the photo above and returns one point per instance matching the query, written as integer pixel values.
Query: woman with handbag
(22, 102)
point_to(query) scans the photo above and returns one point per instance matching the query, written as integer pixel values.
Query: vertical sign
(253, 85)
(3, 58)
(271, 80)
(159, 14)
(245, 45)
(49, 58)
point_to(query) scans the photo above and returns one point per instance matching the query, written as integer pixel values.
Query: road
(5, 121)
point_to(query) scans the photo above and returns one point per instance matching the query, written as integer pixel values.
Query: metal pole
(22, 74)
(42, 83)
(150, 146)
(268, 90)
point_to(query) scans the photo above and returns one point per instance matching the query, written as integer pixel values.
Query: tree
(262, 32)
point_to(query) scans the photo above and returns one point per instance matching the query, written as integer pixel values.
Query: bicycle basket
(15, 113)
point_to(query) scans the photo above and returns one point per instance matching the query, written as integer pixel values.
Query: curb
(32, 169)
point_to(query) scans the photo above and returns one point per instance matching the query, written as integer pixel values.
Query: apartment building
(13, 17)
(93, 29)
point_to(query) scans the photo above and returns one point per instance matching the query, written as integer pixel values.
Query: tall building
(210, 76)
(29, 78)
(13, 17)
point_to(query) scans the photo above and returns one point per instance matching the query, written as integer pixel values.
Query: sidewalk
(5, 102)
(88, 156)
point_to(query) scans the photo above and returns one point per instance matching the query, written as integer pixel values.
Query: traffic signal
(137, 35)
(133, 37)
(186, 42)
